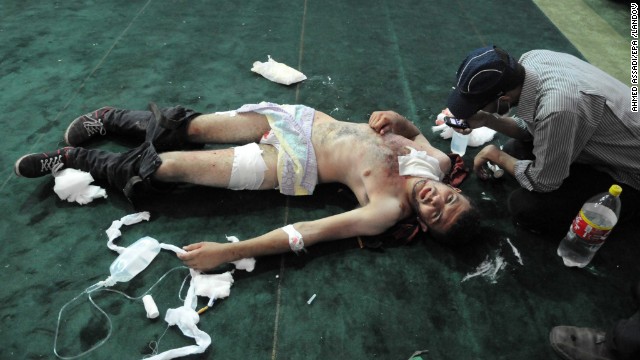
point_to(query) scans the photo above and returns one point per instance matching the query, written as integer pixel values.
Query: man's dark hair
(462, 231)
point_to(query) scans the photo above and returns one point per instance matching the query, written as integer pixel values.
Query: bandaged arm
(372, 219)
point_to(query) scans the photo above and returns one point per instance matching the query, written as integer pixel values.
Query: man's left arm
(497, 157)
(556, 140)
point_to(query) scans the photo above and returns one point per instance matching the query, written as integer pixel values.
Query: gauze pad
(247, 172)
(477, 137)
(73, 185)
(186, 319)
(419, 163)
(278, 72)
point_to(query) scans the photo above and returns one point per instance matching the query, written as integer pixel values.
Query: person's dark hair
(464, 230)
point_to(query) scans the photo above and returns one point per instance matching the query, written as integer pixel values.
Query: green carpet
(63, 59)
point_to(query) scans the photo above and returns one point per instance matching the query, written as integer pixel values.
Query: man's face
(438, 205)
(500, 106)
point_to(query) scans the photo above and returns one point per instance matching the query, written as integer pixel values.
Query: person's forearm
(205, 256)
(507, 126)
(271, 243)
(278, 241)
(506, 162)
(404, 127)
(497, 157)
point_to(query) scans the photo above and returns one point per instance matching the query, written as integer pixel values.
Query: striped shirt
(575, 112)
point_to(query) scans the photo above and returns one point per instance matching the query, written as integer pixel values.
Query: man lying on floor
(388, 164)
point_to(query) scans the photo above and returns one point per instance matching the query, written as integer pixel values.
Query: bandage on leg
(248, 168)
(295, 239)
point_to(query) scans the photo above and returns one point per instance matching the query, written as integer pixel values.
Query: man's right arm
(510, 126)
(363, 221)
(390, 121)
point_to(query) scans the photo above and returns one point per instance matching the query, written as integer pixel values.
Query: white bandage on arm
(295, 239)
(248, 168)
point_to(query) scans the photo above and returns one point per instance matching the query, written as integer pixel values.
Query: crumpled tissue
(187, 319)
(213, 286)
(477, 137)
(73, 185)
(278, 72)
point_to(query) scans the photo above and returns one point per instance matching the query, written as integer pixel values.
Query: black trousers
(624, 337)
(551, 213)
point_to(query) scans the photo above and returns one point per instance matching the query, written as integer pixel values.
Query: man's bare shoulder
(384, 211)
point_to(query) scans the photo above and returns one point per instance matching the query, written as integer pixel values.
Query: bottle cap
(615, 190)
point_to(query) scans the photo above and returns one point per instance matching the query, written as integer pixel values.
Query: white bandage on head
(248, 168)
(295, 239)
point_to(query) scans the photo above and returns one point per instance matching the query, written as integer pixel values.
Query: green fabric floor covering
(63, 59)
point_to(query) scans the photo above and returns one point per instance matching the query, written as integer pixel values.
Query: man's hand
(488, 153)
(205, 255)
(383, 121)
(496, 156)
(391, 122)
(477, 120)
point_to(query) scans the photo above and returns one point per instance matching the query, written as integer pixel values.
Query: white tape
(295, 239)
(150, 306)
(247, 172)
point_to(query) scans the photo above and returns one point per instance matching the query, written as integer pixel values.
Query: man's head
(484, 76)
(442, 210)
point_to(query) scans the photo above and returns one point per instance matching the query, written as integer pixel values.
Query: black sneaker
(37, 165)
(86, 127)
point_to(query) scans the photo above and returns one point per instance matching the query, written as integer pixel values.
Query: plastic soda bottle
(590, 228)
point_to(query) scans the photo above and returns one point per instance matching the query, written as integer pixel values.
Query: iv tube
(88, 291)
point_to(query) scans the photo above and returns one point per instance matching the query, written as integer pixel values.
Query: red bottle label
(588, 231)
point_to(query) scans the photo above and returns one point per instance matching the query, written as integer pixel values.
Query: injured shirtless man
(388, 164)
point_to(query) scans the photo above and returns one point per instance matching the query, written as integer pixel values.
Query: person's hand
(477, 120)
(204, 256)
(488, 153)
(384, 121)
